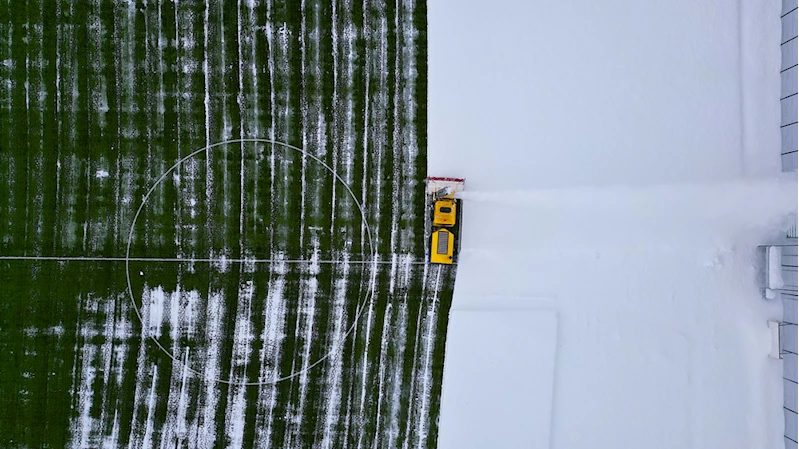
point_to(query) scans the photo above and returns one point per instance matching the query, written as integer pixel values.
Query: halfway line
(193, 260)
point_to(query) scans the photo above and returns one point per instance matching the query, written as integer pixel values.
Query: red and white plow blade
(435, 184)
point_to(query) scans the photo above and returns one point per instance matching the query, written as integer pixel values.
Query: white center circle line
(361, 306)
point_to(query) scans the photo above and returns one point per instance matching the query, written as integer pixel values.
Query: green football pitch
(212, 226)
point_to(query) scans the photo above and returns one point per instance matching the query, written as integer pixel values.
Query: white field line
(218, 260)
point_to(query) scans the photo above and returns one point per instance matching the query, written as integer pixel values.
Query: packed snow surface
(490, 368)
(622, 164)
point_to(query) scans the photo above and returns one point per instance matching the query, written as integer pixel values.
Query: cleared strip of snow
(408, 147)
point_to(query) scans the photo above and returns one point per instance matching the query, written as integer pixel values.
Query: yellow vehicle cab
(442, 245)
(442, 218)
(444, 213)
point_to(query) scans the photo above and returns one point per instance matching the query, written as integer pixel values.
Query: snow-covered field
(622, 165)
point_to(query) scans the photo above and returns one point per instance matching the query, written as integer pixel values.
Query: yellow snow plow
(441, 250)
(445, 212)
(444, 218)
